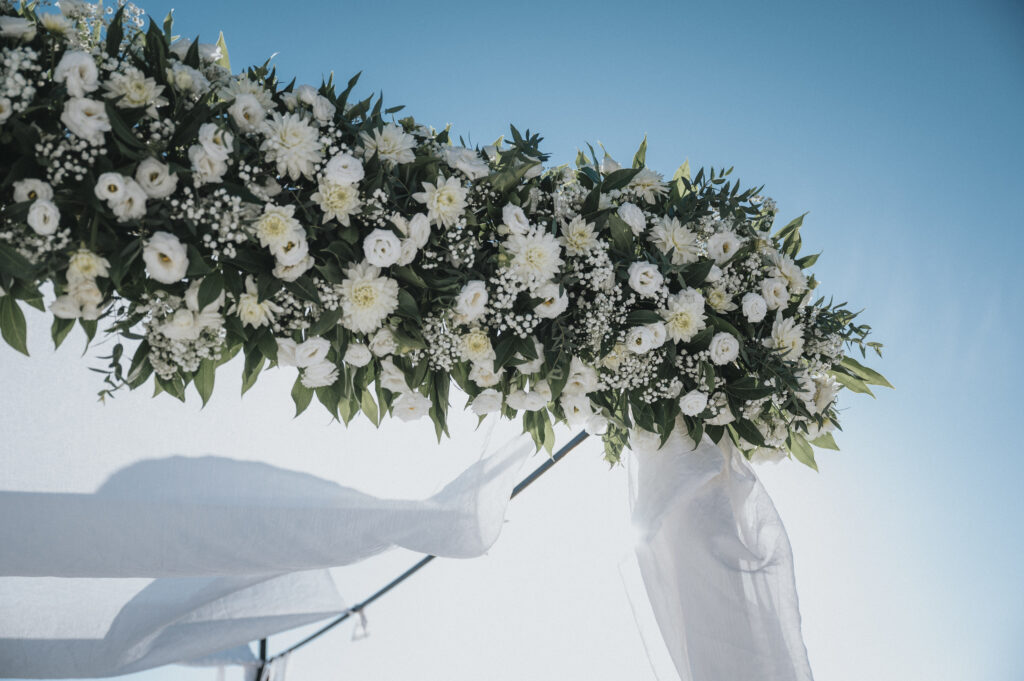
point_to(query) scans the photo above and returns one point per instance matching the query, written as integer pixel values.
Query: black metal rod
(526, 482)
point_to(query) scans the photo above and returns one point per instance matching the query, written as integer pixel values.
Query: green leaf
(640, 157)
(369, 407)
(204, 378)
(304, 289)
(748, 431)
(12, 324)
(224, 60)
(15, 264)
(801, 450)
(622, 235)
(210, 289)
(618, 179)
(854, 384)
(407, 305)
(869, 376)
(301, 395)
(60, 329)
(254, 361)
(825, 441)
(327, 321)
(643, 317)
(115, 32)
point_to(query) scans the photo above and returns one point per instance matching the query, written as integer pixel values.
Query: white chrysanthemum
(338, 201)
(722, 246)
(774, 292)
(720, 300)
(17, 27)
(251, 310)
(166, 258)
(391, 143)
(277, 226)
(445, 201)
(293, 143)
(724, 348)
(536, 256)
(132, 89)
(669, 235)
(578, 237)
(634, 217)
(466, 160)
(77, 70)
(243, 86)
(476, 346)
(788, 270)
(247, 112)
(411, 405)
(84, 265)
(367, 298)
(55, 23)
(684, 315)
(648, 184)
(787, 337)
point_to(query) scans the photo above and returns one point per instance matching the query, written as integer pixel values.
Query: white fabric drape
(716, 563)
(178, 559)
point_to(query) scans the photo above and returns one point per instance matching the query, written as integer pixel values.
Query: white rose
(466, 160)
(391, 377)
(156, 179)
(411, 405)
(724, 348)
(16, 27)
(323, 110)
(311, 351)
(84, 265)
(634, 217)
(408, 253)
(645, 279)
(554, 301)
(78, 72)
(207, 168)
(166, 258)
(286, 348)
(471, 302)
(357, 355)
(110, 187)
(754, 307)
(247, 112)
(383, 342)
(31, 189)
(319, 375)
(487, 402)
(640, 339)
(43, 217)
(216, 141)
(775, 293)
(344, 169)
(577, 409)
(515, 219)
(693, 402)
(181, 326)
(484, 374)
(86, 118)
(382, 248)
(132, 204)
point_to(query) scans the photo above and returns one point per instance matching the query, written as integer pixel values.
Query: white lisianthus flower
(251, 310)
(660, 332)
(484, 374)
(323, 110)
(186, 79)
(774, 292)
(319, 375)
(514, 219)
(765, 455)
(344, 169)
(383, 342)
(720, 300)
(391, 377)
(166, 258)
(277, 226)
(367, 298)
(724, 348)
(445, 201)
(6, 109)
(155, 179)
(248, 113)
(133, 89)
(65, 307)
(286, 348)
(293, 143)
(634, 217)
(357, 355)
(536, 256)
(382, 248)
(43, 217)
(390, 143)
(669, 236)
(82, 300)
(693, 403)
(411, 405)
(554, 301)
(206, 169)
(337, 201)
(521, 400)
(614, 357)
(77, 70)
(582, 379)
(31, 189)
(418, 230)
(306, 94)
(209, 317)
(181, 325)
(825, 390)
(132, 205)
(471, 303)
(645, 278)
(86, 118)
(577, 409)
(84, 265)
(722, 246)
(684, 315)
(714, 274)
(216, 141)
(476, 346)
(648, 184)
(578, 236)
(640, 340)
(110, 187)
(790, 272)
(527, 367)
(466, 160)
(487, 402)
(787, 337)
(311, 351)
(293, 251)
(408, 253)
(293, 271)
(754, 307)
(17, 28)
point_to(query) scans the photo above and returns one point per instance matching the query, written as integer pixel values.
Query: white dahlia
(338, 201)
(391, 143)
(648, 184)
(578, 237)
(277, 226)
(367, 298)
(787, 337)
(536, 256)
(293, 143)
(669, 235)
(445, 201)
(684, 315)
(134, 90)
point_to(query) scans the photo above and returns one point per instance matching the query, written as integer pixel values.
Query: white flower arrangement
(206, 213)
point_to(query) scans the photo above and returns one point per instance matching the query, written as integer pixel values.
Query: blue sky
(898, 127)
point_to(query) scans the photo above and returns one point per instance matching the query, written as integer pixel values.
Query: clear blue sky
(898, 126)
